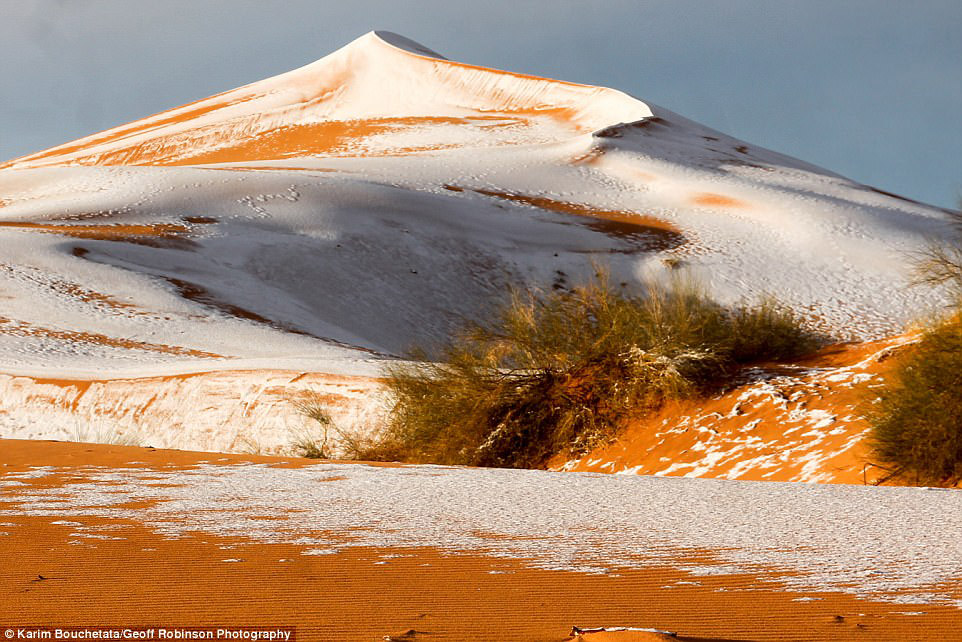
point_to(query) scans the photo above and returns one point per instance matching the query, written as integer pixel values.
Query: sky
(871, 89)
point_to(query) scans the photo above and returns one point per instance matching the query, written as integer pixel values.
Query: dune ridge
(381, 81)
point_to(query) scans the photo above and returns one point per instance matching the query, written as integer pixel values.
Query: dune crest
(381, 86)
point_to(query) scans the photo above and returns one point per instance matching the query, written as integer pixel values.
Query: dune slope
(332, 217)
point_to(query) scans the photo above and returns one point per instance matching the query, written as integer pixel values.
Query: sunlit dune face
(309, 113)
(11, 327)
(643, 176)
(361, 137)
(717, 200)
(327, 138)
(311, 398)
(275, 168)
(557, 114)
(140, 126)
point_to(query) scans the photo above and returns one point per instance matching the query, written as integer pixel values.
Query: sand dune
(328, 219)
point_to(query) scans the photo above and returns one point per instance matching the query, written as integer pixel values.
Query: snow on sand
(896, 544)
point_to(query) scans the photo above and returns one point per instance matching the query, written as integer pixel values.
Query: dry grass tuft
(324, 438)
(941, 263)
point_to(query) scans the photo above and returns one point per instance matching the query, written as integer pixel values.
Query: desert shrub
(559, 371)
(767, 330)
(917, 418)
(941, 263)
(324, 438)
(307, 442)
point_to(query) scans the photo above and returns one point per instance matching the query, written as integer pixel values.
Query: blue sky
(869, 89)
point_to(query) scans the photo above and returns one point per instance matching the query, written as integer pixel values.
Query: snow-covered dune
(336, 215)
(380, 94)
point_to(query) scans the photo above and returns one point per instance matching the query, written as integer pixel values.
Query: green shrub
(560, 371)
(917, 419)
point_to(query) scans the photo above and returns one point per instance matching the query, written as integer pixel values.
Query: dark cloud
(872, 90)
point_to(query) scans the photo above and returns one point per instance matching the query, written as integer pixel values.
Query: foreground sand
(134, 570)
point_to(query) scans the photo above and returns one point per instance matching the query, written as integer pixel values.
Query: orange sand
(680, 432)
(620, 222)
(110, 232)
(708, 198)
(325, 138)
(176, 115)
(430, 594)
